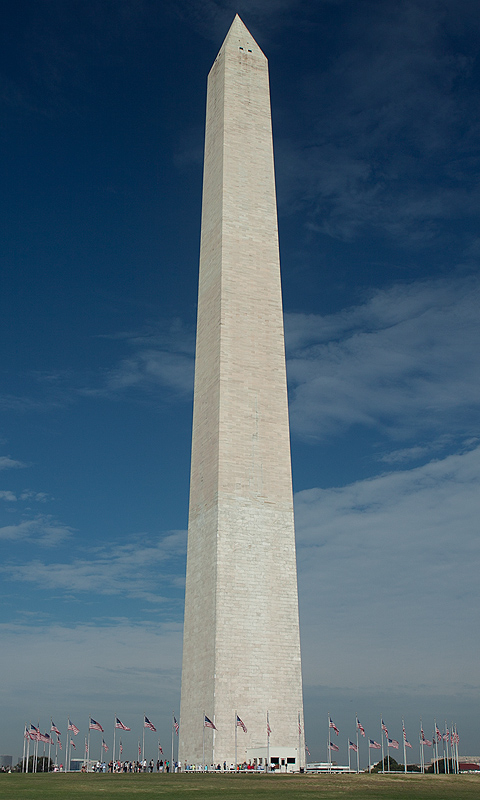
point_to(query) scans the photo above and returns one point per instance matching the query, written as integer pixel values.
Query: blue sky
(376, 126)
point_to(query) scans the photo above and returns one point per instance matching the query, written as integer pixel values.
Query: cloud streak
(6, 462)
(390, 147)
(43, 529)
(403, 363)
(384, 556)
(133, 570)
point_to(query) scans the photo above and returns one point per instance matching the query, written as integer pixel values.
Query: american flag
(120, 725)
(360, 727)
(86, 746)
(72, 744)
(374, 745)
(139, 751)
(446, 735)
(331, 724)
(308, 751)
(334, 747)
(160, 748)
(392, 743)
(207, 723)
(72, 727)
(455, 738)
(407, 743)
(352, 746)
(121, 747)
(149, 725)
(437, 733)
(34, 733)
(269, 730)
(55, 729)
(241, 724)
(175, 725)
(59, 743)
(384, 729)
(426, 742)
(104, 745)
(94, 725)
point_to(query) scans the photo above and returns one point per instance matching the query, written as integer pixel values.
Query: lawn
(229, 787)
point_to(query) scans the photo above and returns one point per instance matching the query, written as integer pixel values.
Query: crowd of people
(134, 766)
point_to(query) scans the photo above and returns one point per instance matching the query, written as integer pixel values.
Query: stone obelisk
(241, 639)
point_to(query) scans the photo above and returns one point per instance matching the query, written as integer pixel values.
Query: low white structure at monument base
(330, 767)
(283, 759)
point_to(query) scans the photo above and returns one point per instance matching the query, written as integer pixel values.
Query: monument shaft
(241, 637)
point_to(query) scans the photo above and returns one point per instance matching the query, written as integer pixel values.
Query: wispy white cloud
(9, 497)
(37, 497)
(104, 668)
(131, 569)
(150, 368)
(6, 462)
(403, 362)
(27, 495)
(156, 361)
(389, 145)
(388, 567)
(42, 529)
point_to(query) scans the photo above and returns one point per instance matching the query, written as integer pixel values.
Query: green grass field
(237, 787)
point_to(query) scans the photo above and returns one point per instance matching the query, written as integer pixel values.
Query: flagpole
(456, 749)
(172, 742)
(143, 739)
(457, 761)
(24, 746)
(447, 743)
(348, 746)
(68, 743)
(213, 740)
(369, 760)
(382, 732)
(28, 752)
(203, 741)
(114, 731)
(36, 747)
(422, 757)
(268, 743)
(404, 746)
(329, 749)
(88, 745)
(236, 726)
(445, 761)
(358, 749)
(299, 744)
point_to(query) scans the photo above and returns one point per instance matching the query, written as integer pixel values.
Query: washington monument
(241, 651)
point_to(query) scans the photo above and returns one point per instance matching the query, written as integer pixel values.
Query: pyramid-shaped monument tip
(239, 36)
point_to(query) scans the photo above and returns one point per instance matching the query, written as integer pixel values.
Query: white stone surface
(241, 637)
